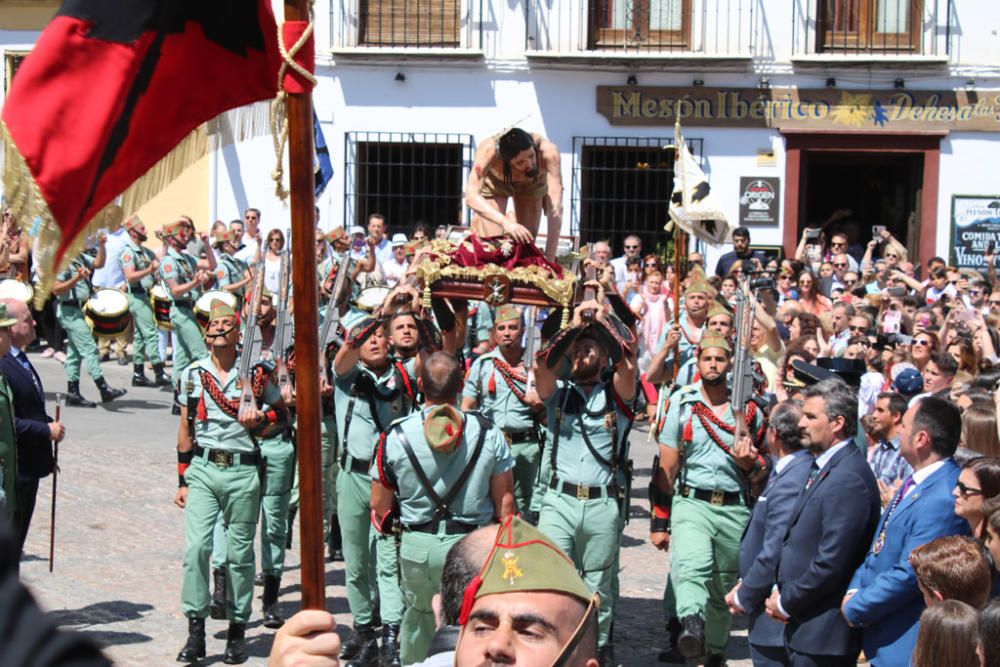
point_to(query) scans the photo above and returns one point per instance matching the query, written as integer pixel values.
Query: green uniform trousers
(145, 343)
(360, 554)
(704, 562)
(233, 492)
(542, 476)
(80, 344)
(526, 458)
(421, 559)
(189, 343)
(589, 531)
(279, 457)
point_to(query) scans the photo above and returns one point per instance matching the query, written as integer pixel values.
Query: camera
(762, 282)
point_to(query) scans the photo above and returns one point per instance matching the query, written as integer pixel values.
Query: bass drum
(371, 298)
(160, 301)
(107, 311)
(16, 289)
(203, 306)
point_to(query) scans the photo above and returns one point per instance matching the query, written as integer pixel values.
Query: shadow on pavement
(112, 611)
(124, 404)
(105, 639)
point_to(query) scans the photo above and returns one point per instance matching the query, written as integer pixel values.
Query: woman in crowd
(650, 303)
(978, 481)
(924, 346)
(964, 353)
(810, 300)
(786, 285)
(989, 633)
(979, 429)
(949, 635)
(652, 264)
(272, 259)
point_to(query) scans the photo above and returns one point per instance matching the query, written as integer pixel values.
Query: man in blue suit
(829, 530)
(883, 597)
(35, 430)
(765, 533)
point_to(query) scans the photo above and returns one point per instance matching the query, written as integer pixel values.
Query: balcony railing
(638, 27)
(902, 28)
(404, 24)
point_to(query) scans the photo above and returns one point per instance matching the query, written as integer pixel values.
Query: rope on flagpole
(279, 122)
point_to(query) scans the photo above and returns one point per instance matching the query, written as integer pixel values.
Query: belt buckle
(718, 497)
(582, 492)
(221, 458)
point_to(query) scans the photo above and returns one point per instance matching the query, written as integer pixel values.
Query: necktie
(880, 540)
(23, 359)
(813, 474)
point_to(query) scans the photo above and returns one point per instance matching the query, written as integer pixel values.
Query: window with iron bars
(407, 177)
(410, 23)
(12, 62)
(622, 186)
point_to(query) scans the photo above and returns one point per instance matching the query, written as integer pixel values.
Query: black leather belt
(224, 459)
(184, 303)
(137, 290)
(584, 492)
(519, 437)
(70, 302)
(361, 466)
(450, 527)
(713, 497)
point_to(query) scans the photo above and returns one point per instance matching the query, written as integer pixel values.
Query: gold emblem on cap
(510, 569)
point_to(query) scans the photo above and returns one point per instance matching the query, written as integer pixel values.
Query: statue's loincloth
(494, 186)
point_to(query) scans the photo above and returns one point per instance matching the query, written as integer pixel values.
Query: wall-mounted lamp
(899, 84)
(631, 80)
(764, 82)
(970, 84)
(831, 83)
(698, 83)
(400, 77)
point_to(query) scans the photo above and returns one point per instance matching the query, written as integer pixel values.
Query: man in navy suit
(830, 528)
(765, 534)
(34, 428)
(883, 596)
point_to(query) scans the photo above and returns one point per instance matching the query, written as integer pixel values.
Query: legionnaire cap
(524, 559)
(718, 309)
(337, 234)
(265, 293)
(229, 236)
(173, 229)
(133, 222)
(506, 313)
(443, 428)
(220, 308)
(699, 283)
(712, 339)
(6, 321)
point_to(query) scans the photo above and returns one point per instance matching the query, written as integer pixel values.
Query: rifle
(589, 274)
(248, 401)
(530, 346)
(742, 373)
(279, 346)
(55, 479)
(328, 334)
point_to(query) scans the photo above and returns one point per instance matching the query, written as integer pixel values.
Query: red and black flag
(113, 86)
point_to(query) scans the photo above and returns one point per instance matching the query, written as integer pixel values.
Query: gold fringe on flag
(32, 211)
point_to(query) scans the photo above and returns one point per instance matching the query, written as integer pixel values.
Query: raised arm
(553, 198)
(486, 152)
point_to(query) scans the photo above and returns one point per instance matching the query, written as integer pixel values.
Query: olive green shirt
(494, 396)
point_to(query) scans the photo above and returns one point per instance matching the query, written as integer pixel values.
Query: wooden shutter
(426, 23)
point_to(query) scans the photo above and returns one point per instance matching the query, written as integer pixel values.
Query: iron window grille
(622, 186)
(408, 177)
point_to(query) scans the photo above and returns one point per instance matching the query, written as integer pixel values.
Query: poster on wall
(759, 200)
(975, 222)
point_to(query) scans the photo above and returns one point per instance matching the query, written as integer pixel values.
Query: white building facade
(853, 113)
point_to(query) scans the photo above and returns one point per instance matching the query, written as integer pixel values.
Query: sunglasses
(651, 265)
(850, 282)
(966, 491)
(922, 341)
(995, 302)
(858, 328)
(631, 247)
(892, 256)
(839, 265)
(975, 292)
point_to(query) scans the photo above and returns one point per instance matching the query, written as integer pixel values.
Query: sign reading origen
(793, 108)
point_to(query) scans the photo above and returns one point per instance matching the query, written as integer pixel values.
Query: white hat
(398, 240)
(356, 229)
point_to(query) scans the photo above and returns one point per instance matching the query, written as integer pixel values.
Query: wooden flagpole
(301, 186)
(680, 260)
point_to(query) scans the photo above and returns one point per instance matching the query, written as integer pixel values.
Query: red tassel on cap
(448, 429)
(469, 599)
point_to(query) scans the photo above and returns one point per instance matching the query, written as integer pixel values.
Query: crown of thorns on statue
(511, 143)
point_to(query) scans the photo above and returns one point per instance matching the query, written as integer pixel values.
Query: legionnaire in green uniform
(699, 494)
(184, 277)
(497, 386)
(231, 273)
(72, 290)
(8, 437)
(588, 418)
(450, 473)
(219, 462)
(369, 393)
(140, 266)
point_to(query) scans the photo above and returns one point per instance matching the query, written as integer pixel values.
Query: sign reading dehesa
(975, 223)
(759, 200)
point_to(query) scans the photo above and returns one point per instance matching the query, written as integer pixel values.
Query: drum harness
(72, 300)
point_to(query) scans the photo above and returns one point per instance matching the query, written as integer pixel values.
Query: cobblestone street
(119, 540)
